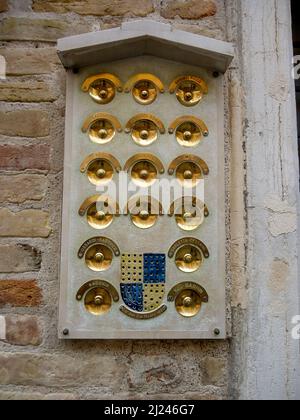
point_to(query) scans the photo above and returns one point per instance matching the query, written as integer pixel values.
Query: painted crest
(143, 281)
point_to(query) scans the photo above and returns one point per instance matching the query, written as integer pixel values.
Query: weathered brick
(19, 258)
(26, 224)
(27, 396)
(95, 7)
(48, 30)
(27, 91)
(22, 330)
(19, 158)
(189, 9)
(20, 293)
(3, 5)
(60, 370)
(29, 61)
(214, 371)
(20, 188)
(25, 123)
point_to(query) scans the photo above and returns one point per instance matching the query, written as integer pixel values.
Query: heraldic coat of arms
(143, 281)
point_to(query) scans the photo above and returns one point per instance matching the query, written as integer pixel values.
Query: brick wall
(33, 362)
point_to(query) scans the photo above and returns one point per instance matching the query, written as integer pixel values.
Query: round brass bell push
(102, 87)
(144, 219)
(100, 211)
(144, 211)
(144, 173)
(144, 132)
(189, 213)
(189, 169)
(102, 91)
(144, 87)
(189, 90)
(102, 131)
(144, 92)
(101, 127)
(189, 220)
(189, 93)
(189, 130)
(100, 168)
(98, 216)
(98, 301)
(144, 169)
(188, 134)
(188, 303)
(144, 129)
(188, 173)
(98, 258)
(100, 172)
(188, 259)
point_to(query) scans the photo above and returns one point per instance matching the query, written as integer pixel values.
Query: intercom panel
(143, 215)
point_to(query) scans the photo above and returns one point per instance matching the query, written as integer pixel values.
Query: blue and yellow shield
(143, 281)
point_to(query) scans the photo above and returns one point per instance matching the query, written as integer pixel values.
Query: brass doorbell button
(98, 296)
(144, 87)
(100, 168)
(144, 173)
(102, 87)
(144, 220)
(101, 127)
(144, 133)
(100, 211)
(189, 254)
(188, 259)
(98, 219)
(188, 303)
(144, 129)
(189, 169)
(189, 213)
(189, 90)
(98, 240)
(144, 211)
(98, 258)
(98, 301)
(144, 92)
(189, 298)
(144, 169)
(189, 130)
(98, 253)
(100, 172)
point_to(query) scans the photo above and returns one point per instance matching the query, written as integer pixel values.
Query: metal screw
(216, 74)
(66, 332)
(217, 331)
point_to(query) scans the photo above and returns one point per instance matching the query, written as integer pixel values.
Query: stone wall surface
(34, 364)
